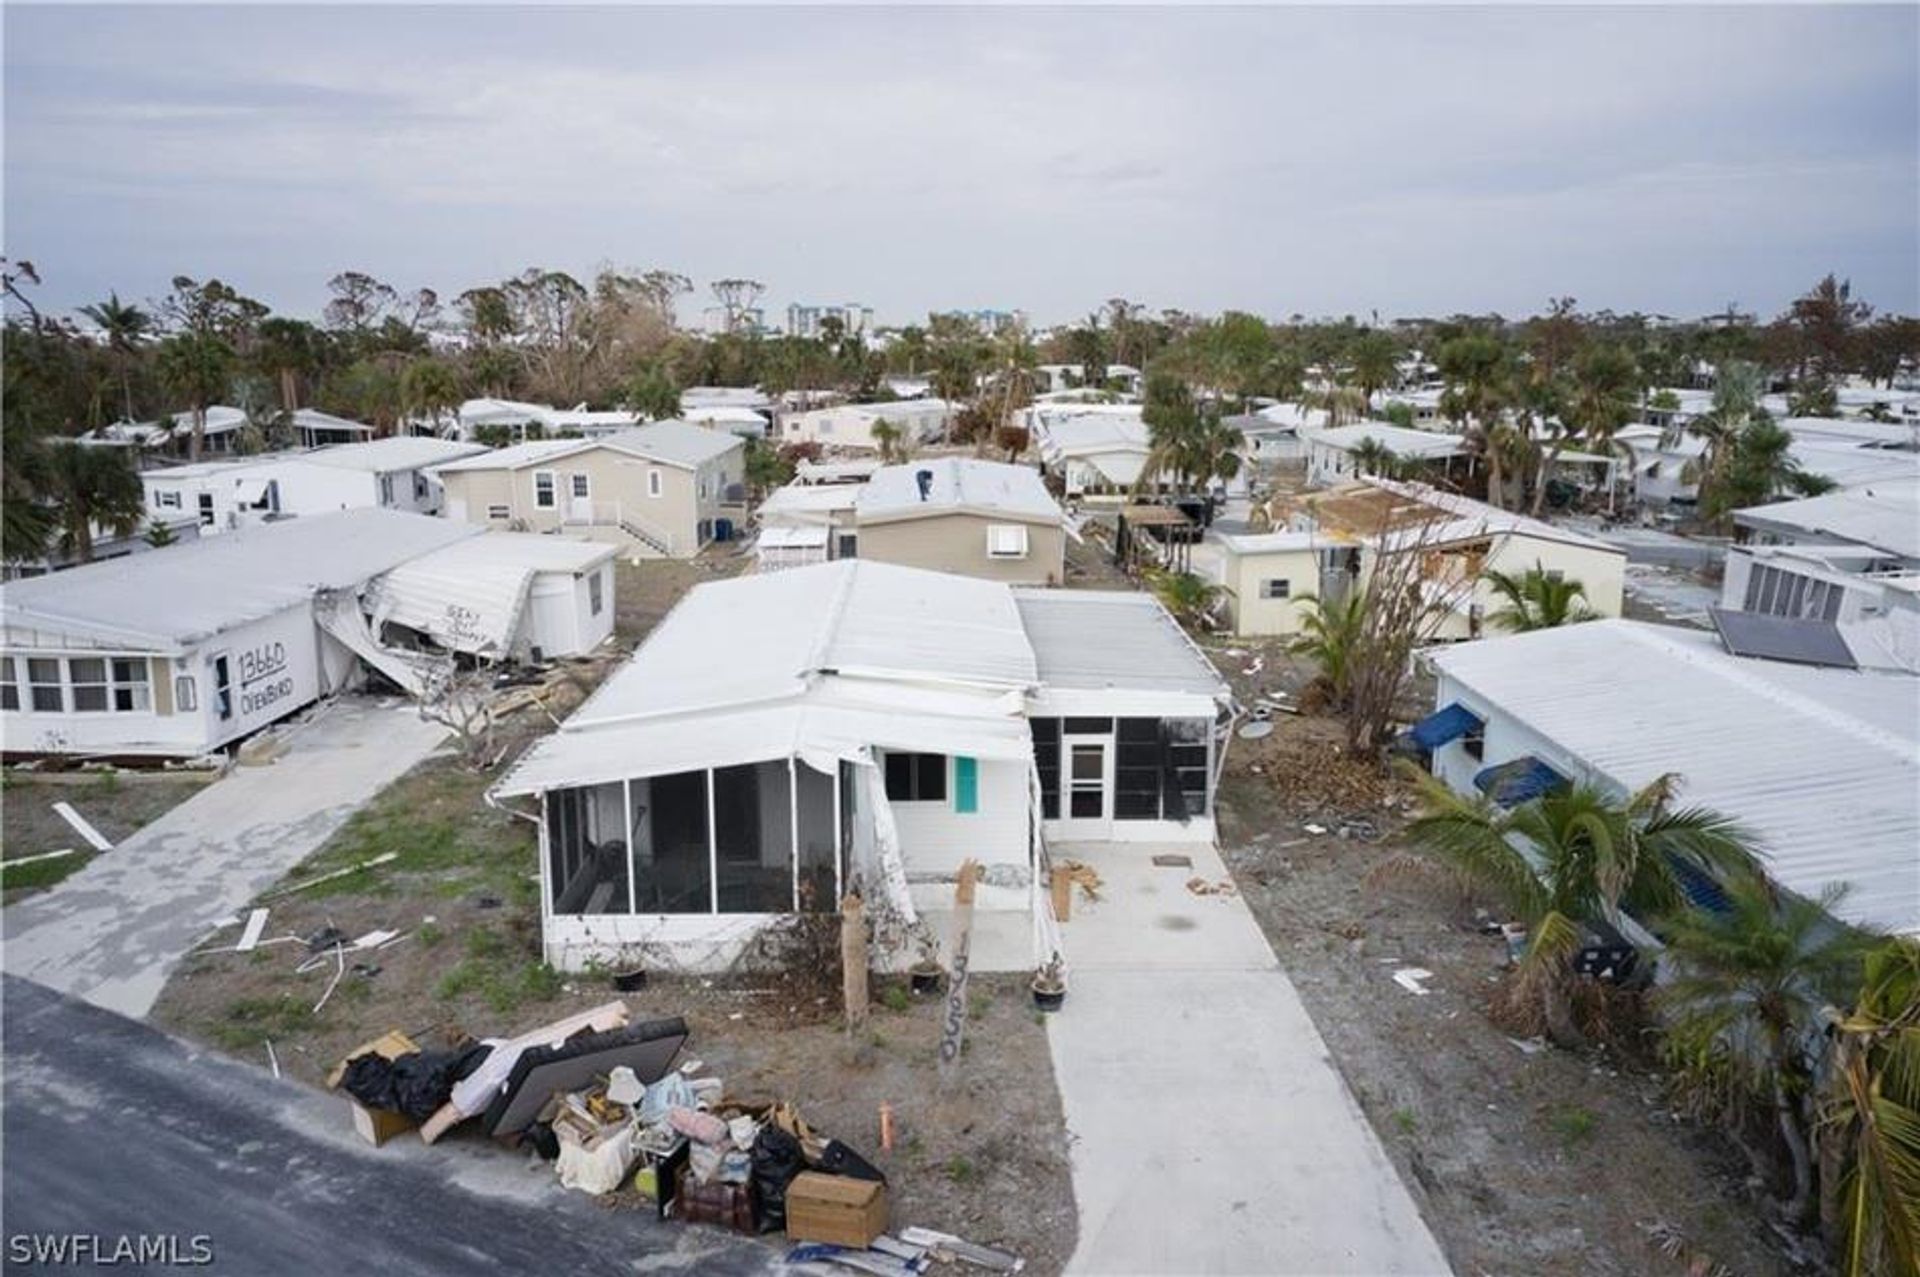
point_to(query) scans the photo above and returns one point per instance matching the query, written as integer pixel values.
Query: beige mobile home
(660, 490)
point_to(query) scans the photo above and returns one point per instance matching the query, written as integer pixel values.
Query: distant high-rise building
(993, 322)
(805, 321)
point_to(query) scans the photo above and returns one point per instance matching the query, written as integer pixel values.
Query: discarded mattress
(647, 1048)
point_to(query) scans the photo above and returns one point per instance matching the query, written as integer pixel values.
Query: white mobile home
(189, 648)
(781, 740)
(388, 474)
(1822, 764)
(919, 421)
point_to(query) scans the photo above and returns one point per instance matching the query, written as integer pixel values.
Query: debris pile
(599, 1095)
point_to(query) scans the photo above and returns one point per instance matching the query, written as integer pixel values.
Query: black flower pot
(1049, 999)
(924, 981)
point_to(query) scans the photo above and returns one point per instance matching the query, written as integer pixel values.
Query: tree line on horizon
(387, 356)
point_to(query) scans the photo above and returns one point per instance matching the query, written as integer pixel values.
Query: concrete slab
(1147, 918)
(113, 932)
(1211, 1130)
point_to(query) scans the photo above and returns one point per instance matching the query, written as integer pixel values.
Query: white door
(1086, 782)
(579, 498)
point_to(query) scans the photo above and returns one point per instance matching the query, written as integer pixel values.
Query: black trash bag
(544, 1141)
(837, 1159)
(776, 1160)
(416, 1084)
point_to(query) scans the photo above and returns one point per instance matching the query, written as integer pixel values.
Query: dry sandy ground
(1522, 1160)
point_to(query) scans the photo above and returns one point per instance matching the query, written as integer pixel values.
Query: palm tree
(26, 515)
(286, 349)
(1872, 1117)
(1601, 398)
(197, 367)
(1186, 439)
(1478, 372)
(1330, 634)
(1578, 852)
(1190, 599)
(1374, 362)
(1537, 599)
(93, 487)
(1761, 468)
(1736, 404)
(1370, 456)
(124, 325)
(887, 437)
(429, 388)
(1751, 981)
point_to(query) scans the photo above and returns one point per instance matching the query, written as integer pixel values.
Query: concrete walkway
(114, 931)
(1211, 1131)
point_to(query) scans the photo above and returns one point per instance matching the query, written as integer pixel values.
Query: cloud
(1319, 161)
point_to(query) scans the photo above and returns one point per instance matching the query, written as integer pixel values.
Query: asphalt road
(113, 1129)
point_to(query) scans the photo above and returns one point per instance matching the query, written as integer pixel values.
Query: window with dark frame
(1474, 742)
(1275, 589)
(9, 688)
(916, 778)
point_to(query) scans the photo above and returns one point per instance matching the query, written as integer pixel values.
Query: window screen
(9, 690)
(43, 677)
(1046, 761)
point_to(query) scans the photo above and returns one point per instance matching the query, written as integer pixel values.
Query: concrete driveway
(114, 931)
(1211, 1130)
(114, 1131)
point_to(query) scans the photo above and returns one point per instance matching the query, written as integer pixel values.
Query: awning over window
(1701, 891)
(1518, 781)
(1437, 728)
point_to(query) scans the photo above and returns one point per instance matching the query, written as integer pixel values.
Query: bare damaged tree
(736, 298)
(1415, 579)
(464, 702)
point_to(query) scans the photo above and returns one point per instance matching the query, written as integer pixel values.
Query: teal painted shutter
(966, 784)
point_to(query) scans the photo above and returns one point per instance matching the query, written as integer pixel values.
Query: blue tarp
(1518, 781)
(1437, 728)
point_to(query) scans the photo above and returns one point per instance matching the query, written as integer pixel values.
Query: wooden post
(1062, 884)
(953, 1025)
(853, 960)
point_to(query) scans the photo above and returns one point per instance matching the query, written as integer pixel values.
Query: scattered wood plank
(28, 860)
(256, 923)
(315, 881)
(80, 826)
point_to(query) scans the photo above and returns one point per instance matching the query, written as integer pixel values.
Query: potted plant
(924, 975)
(1050, 984)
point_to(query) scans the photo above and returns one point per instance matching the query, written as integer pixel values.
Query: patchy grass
(117, 805)
(248, 1022)
(896, 999)
(1573, 1124)
(1406, 1121)
(436, 822)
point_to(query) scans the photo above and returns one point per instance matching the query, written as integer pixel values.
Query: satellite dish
(1256, 730)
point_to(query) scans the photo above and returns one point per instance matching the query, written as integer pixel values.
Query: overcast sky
(1316, 161)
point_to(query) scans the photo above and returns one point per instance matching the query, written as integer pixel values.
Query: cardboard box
(833, 1208)
(377, 1126)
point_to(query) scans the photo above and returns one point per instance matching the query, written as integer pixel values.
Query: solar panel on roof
(1800, 640)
